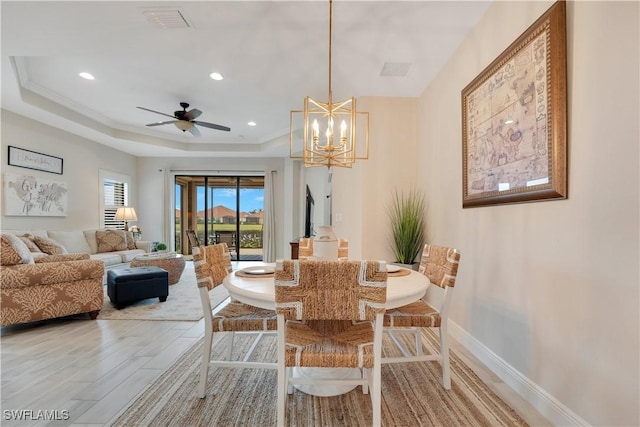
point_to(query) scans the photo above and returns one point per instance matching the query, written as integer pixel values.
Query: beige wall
(362, 193)
(82, 161)
(551, 288)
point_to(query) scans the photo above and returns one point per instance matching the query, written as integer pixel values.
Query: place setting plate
(256, 271)
(395, 270)
(259, 270)
(392, 268)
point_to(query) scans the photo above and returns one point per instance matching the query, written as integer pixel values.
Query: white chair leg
(230, 346)
(289, 386)
(283, 374)
(418, 337)
(376, 397)
(366, 375)
(444, 359)
(204, 368)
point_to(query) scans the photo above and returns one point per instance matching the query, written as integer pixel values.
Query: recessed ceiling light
(86, 75)
(216, 76)
(251, 123)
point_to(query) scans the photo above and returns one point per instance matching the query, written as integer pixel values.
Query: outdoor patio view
(227, 209)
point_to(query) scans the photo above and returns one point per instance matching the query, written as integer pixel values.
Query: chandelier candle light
(329, 149)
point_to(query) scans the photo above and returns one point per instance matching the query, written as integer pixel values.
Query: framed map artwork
(27, 195)
(514, 120)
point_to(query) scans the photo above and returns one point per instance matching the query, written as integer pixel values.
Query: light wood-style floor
(94, 369)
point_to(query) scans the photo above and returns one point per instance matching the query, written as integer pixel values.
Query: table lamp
(126, 214)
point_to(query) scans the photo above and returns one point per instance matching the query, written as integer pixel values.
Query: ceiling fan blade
(211, 125)
(162, 123)
(194, 131)
(157, 112)
(192, 114)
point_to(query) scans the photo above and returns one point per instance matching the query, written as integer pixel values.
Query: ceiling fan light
(183, 125)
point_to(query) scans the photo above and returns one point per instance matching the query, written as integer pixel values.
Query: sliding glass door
(221, 209)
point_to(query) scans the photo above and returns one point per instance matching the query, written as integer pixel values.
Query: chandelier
(330, 129)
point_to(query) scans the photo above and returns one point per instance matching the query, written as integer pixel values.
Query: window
(115, 193)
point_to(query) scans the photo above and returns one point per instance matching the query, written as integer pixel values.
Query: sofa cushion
(49, 246)
(13, 250)
(90, 235)
(109, 258)
(73, 241)
(28, 240)
(111, 240)
(131, 242)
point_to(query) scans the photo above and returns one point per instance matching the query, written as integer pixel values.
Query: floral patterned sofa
(46, 287)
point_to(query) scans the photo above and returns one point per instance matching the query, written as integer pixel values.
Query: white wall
(82, 161)
(551, 288)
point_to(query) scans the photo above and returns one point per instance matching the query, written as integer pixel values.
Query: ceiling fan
(184, 120)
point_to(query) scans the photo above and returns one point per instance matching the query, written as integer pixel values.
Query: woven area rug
(412, 395)
(183, 302)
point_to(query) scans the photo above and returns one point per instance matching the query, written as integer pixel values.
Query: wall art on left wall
(27, 195)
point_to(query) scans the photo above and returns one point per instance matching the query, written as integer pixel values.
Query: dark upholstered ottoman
(128, 285)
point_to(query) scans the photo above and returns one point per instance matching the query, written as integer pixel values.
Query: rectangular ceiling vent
(166, 18)
(395, 69)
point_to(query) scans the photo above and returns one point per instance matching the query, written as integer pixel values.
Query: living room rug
(183, 302)
(412, 395)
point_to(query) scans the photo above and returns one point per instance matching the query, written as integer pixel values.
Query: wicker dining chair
(440, 265)
(305, 248)
(330, 315)
(212, 264)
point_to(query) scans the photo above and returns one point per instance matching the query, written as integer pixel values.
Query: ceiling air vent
(166, 18)
(395, 69)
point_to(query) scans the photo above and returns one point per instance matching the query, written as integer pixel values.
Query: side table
(172, 262)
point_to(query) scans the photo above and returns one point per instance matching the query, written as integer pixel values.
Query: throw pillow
(28, 240)
(111, 240)
(131, 243)
(49, 246)
(13, 250)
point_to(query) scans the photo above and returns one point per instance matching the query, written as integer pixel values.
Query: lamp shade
(126, 213)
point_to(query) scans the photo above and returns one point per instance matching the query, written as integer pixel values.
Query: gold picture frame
(514, 120)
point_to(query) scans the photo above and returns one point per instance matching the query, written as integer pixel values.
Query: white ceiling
(271, 53)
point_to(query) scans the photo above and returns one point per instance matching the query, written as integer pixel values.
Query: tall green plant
(407, 225)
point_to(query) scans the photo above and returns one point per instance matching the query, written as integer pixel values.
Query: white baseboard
(547, 405)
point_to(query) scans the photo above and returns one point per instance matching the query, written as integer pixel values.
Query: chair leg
(289, 372)
(366, 375)
(204, 368)
(376, 396)
(283, 374)
(418, 336)
(230, 346)
(444, 359)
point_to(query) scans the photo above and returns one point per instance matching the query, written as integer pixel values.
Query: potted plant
(161, 247)
(407, 226)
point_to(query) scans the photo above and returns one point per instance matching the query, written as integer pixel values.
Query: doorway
(220, 209)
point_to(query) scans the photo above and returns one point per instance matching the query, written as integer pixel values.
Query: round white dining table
(259, 291)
